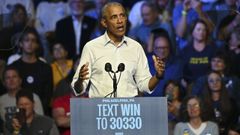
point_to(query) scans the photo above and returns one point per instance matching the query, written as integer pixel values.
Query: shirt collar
(108, 40)
(76, 19)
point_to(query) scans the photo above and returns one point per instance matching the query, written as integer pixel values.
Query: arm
(38, 105)
(182, 24)
(198, 8)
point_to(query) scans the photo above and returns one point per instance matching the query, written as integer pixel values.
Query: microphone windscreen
(121, 67)
(108, 67)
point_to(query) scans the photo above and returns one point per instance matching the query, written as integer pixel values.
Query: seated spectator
(195, 119)
(151, 21)
(234, 51)
(219, 63)
(9, 35)
(215, 96)
(8, 5)
(184, 15)
(234, 130)
(75, 30)
(12, 82)
(162, 48)
(173, 93)
(64, 86)
(47, 15)
(36, 74)
(29, 122)
(61, 103)
(61, 66)
(196, 56)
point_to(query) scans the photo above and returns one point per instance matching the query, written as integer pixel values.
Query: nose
(119, 19)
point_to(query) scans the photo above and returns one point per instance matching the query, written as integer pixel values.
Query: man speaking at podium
(114, 63)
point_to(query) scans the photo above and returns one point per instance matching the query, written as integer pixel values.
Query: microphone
(108, 67)
(121, 67)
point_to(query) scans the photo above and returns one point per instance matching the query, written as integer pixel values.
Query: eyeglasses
(214, 80)
(189, 106)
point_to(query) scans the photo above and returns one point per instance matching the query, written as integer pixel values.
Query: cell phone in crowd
(20, 115)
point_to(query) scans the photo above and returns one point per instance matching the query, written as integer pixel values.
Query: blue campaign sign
(119, 116)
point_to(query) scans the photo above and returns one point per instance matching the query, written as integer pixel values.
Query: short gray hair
(109, 4)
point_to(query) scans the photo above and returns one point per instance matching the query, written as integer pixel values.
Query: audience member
(151, 21)
(196, 56)
(184, 15)
(36, 74)
(220, 63)
(9, 35)
(47, 15)
(27, 122)
(174, 95)
(234, 51)
(75, 31)
(8, 5)
(215, 96)
(64, 86)
(61, 66)
(163, 49)
(12, 81)
(195, 119)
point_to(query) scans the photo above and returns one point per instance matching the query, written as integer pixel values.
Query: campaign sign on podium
(119, 116)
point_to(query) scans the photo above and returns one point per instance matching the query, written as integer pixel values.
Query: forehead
(192, 101)
(161, 41)
(200, 25)
(114, 9)
(213, 75)
(11, 72)
(24, 100)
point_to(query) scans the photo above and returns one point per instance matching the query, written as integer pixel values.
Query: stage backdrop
(119, 116)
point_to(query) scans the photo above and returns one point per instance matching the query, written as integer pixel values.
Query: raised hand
(83, 74)
(159, 65)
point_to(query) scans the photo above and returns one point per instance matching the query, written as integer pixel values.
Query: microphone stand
(114, 85)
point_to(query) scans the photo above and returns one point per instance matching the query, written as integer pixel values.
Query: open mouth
(120, 28)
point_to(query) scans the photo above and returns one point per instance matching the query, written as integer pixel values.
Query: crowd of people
(185, 50)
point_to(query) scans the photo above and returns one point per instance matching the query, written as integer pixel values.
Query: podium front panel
(119, 116)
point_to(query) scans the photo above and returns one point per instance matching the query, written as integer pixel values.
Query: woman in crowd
(216, 96)
(195, 119)
(196, 56)
(61, 66)
(173, 93)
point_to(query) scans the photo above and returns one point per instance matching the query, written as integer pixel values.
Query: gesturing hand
(83, 75)
(159, 66)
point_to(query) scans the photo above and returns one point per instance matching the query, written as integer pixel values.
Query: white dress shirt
(77, 25)
(101, 50)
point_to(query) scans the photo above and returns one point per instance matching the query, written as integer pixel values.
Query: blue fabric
(173, 71)
(196, 64)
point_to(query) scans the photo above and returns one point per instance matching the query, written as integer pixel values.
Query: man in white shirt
(115, 48)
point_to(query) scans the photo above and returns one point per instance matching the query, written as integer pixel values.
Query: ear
(103, 23)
